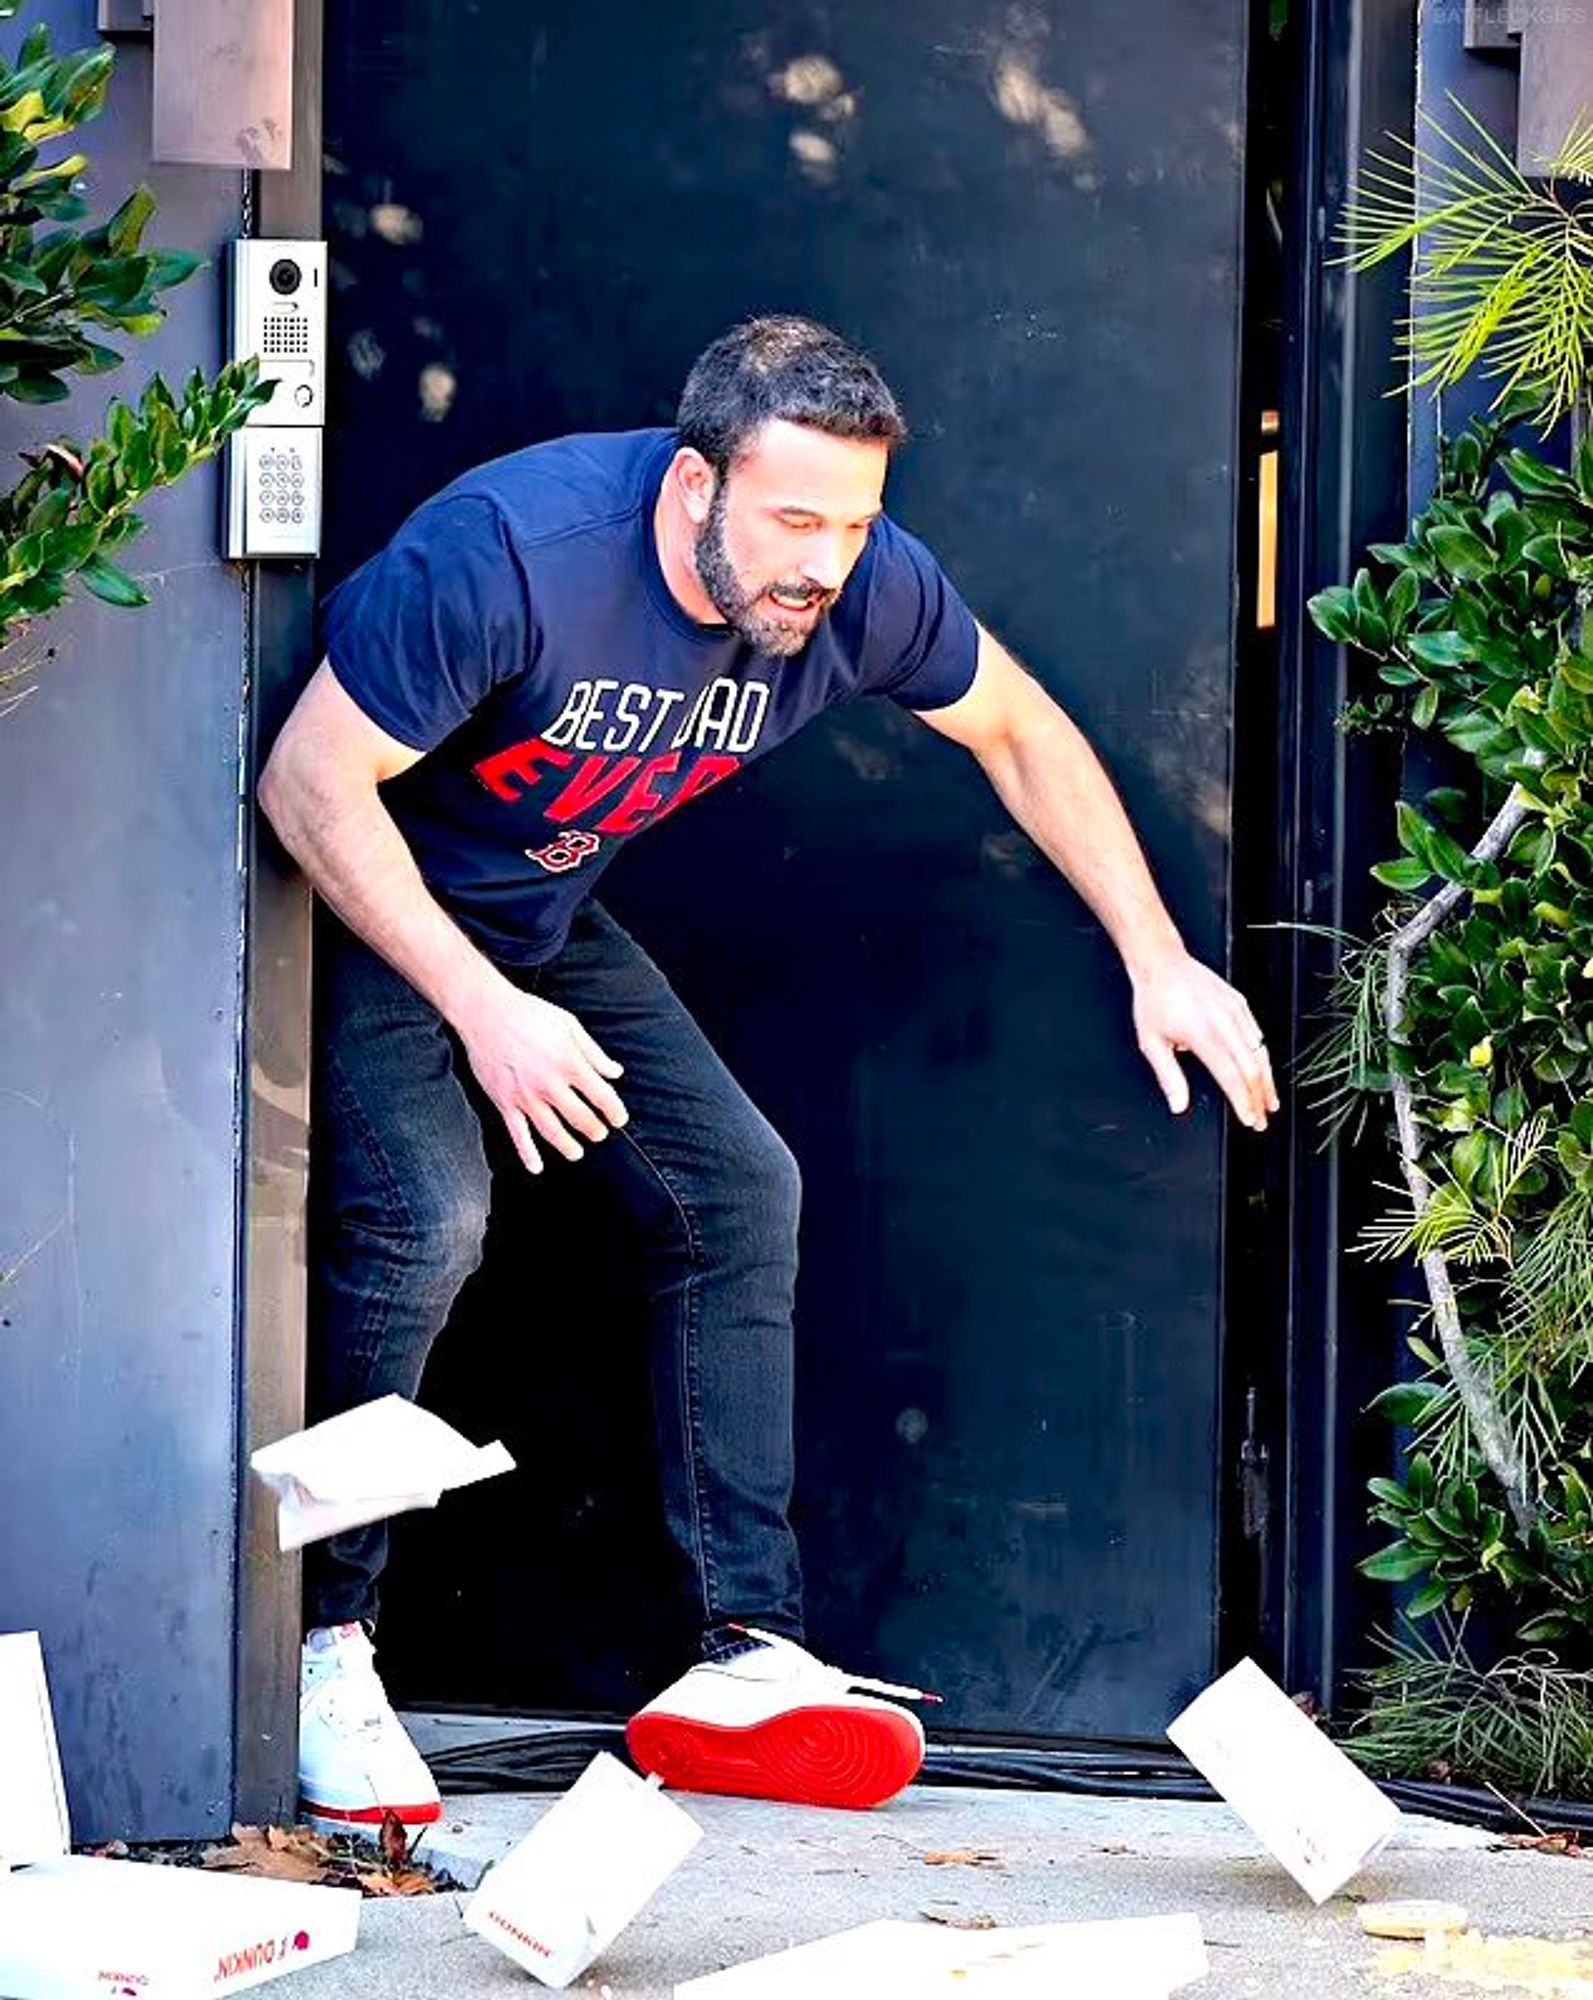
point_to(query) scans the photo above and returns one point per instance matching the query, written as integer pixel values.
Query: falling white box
(385, 1457)
(33, 1822)
(1291, 1785)
(78, 1927)
(1131, 1958)
(583, 1871)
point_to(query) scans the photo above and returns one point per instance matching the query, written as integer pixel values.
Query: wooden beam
(224, 82)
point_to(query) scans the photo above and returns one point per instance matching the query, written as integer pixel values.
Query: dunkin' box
(1320, 1816)
(78, 1927)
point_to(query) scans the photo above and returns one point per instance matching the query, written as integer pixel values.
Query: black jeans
(401, 1187)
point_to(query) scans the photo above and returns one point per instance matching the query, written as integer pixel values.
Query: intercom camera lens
(286, 276)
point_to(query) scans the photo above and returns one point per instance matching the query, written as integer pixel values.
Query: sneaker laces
(806, 1664)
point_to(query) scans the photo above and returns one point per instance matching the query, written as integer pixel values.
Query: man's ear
(696, 482)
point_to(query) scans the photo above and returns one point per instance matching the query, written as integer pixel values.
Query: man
(563, 647)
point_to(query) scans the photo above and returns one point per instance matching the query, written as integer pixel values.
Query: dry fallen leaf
(394, 1881)
(393, 1841)
(296, 1854)
(283, 1854)
(956, 1922)
(963, 1857)
(1548, 1843)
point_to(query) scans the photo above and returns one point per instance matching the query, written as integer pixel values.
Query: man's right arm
(535, 1061)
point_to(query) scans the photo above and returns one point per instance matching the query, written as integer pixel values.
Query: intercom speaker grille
(286, 333)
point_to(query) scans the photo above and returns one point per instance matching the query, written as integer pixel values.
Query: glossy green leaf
(1406, 1402)
(1439, 649)
(1404, 876)
(114, 585)
(1461, 552)
(1397, 1563)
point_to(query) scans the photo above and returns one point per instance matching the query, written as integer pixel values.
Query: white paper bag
(583, 1871)
(33, 1819)
(1134, 1958)
(1294, 1788)
(384, 1458)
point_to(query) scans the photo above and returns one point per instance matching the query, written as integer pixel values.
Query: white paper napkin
(387, 1457)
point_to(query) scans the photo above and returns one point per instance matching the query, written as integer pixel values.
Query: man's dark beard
(736, 606)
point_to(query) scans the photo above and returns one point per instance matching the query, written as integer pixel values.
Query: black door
(1011, 1331)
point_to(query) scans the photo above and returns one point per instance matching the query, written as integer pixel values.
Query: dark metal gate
(1011, 1323)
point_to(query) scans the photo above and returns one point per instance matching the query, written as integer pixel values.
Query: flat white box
(78, 1928)
(33, 1822)
(565, 1892)
(1132, 1958)
(1291, 1785)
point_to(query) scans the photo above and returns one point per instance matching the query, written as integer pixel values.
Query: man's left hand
(1182, 1006)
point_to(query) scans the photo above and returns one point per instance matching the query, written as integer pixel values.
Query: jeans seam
(690, 1415)
(353, 1111)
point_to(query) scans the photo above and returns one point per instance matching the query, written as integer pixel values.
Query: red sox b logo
(568, 851)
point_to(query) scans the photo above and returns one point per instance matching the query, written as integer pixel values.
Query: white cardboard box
(75, 1927)
(566, 1891)
(1134, 1958)
(78, 1928)
(33, 1822)
(1290, 1784)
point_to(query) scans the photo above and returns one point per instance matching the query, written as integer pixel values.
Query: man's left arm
(1053, 784)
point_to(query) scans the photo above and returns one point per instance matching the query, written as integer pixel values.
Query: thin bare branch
(1487, 1422)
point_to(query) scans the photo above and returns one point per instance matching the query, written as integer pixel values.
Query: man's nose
(825, 563)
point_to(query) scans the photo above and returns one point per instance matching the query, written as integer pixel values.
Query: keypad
(282, 488)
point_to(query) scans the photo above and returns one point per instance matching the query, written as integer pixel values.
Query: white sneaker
(356, 1764)
(775, 1723)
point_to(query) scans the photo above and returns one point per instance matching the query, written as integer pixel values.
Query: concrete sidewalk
(770, 1876)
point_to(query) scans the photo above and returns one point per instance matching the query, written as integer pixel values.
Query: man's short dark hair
(781, 368)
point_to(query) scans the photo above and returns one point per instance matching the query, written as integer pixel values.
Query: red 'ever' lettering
(707, 772)
(643, 799)
(520, 761)
(597, 777)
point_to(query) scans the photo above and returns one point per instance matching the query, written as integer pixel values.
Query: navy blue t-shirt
(518, 629)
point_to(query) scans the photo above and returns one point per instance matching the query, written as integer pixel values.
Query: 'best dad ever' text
(602, 746)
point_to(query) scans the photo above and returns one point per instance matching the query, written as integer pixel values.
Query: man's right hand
(544, 1072)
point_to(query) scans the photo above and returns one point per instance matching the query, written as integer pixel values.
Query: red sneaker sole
(371, 1815)
(807, 1756)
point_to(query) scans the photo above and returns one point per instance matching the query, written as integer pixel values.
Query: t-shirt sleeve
(421, 634)
(922, 645)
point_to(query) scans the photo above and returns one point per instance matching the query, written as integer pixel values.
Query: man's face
(783, 530)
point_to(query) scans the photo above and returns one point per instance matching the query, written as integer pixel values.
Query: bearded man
(562, 648)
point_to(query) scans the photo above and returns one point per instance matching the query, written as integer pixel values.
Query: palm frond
(1502, 275)
(1525, 1723)
(1460, 1225)
(1454, 1223)
(1549, 1298)
(1338, 1069)
(1574, 160)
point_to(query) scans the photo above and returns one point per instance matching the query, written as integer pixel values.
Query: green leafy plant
(1471, 1013)
(1503, 276)
(1525, 1723)
(62, 285)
